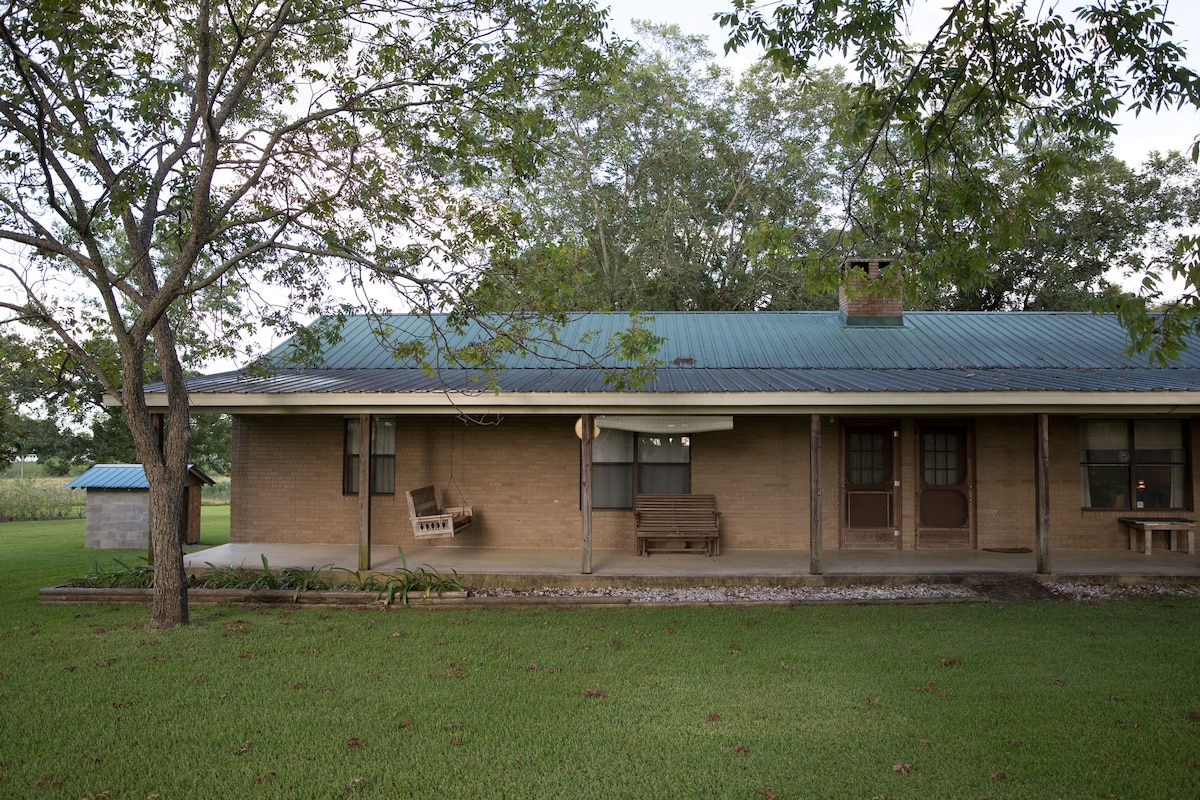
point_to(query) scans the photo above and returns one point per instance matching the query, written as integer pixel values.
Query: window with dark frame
(383, 456)
(943, 458)
(624, 462)
(1134, 464)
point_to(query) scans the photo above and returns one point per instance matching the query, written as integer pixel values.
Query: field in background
(28, 495)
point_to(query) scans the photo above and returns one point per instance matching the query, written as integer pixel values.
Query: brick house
(867, 427)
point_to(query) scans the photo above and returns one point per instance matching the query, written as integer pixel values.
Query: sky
(1137, 135)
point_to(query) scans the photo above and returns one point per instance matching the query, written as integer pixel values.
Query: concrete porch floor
(527, 568)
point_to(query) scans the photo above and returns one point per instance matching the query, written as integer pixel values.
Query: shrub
(28, 499)
(122, 576)
(389, 587)
(218, 493)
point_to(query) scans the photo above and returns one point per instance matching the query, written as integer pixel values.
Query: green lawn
(1005, 701)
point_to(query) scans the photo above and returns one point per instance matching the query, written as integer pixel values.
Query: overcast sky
(1137, 137)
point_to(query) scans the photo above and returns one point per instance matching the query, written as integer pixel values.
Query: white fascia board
(694, 403)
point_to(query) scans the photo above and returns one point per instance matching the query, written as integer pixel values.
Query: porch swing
(431, 521)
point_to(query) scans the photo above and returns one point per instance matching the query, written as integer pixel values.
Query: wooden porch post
(814, 495)
(364, 491)
(585, 490)
(1042, 535)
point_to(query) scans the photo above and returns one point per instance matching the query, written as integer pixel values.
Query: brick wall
(759, 474)
(866, 292)
(522, 477)
(1005, 487)
(1072, 526)
(520, 474)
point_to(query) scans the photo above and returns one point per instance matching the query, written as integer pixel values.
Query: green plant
(217, 494)
(226, 577)
(301, 580)
(424, 580)
(388, 587)
(139, 576)
(23, 499)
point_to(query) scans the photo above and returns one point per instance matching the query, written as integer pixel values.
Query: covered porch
(481, 567)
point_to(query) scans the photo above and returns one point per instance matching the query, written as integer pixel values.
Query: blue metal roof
(122, 476)
(717, 352)
(788, 340)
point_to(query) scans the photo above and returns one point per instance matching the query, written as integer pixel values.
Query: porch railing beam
(585, 491)
(364, 491)
(1042, 535)
(814, 495)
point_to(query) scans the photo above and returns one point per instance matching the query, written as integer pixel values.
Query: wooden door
(945, 491)
(869, 486)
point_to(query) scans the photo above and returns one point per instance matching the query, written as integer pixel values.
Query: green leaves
(962, 143)
(657, 180)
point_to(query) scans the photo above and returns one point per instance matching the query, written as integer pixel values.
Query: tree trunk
(167, 492)
(164, 456)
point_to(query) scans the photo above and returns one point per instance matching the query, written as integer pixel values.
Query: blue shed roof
(122, 476)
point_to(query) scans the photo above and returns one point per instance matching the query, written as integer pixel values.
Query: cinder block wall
(117, 518)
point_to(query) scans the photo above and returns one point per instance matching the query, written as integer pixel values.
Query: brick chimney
(869, 297)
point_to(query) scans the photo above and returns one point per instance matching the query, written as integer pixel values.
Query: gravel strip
(1080, 592)
(751, 594)
(1093, 592)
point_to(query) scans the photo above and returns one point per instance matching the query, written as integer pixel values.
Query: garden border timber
(83, 595)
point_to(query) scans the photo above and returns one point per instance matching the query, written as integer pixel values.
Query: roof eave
(533, 403)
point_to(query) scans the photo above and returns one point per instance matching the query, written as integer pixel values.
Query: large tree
(1110, 222)
(673, 185)
(994, 79)
(311, 154)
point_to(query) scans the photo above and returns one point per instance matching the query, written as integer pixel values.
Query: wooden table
(1174, 526)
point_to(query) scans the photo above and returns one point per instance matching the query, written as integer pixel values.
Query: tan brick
(522, 476)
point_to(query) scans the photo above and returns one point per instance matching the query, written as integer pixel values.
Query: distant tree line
(53, 410)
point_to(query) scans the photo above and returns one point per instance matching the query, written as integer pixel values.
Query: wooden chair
(430, 521)
(672, 523)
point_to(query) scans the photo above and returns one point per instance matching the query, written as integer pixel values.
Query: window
(942, 457)
(383, 456)
(1133, 464)
(664, 464)
(612, 469)
(868, 456)
(653, 463)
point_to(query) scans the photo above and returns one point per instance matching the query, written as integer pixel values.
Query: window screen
(383, 456)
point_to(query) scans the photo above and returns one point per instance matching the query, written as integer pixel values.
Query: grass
(214, 525)
(1025, 700)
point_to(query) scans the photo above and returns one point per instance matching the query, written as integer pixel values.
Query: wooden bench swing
(431, 521)
(677, 523)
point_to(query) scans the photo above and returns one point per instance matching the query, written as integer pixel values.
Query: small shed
(118, 506)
